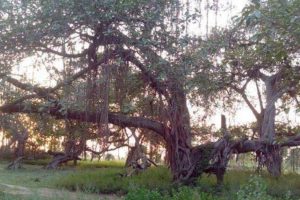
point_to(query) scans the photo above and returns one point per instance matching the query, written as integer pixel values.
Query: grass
(104, 177)
(35, 176)
(32, 176)
(100, 164)
(61, 196)
(108, 180)
(159, 179)
(39, 162)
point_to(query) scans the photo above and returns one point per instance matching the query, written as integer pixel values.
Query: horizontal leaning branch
(83, 116)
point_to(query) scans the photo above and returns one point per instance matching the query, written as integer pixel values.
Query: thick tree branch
(244, 96)
(105, 150)
(149, 77)
(246, 84)
(83, 116)
(262, 76)
(150, 55)
(259, 96)
(46, 49)
(245, 145)
(291, 141)
(42, 92)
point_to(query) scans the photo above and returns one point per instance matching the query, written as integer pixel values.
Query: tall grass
(110, 180)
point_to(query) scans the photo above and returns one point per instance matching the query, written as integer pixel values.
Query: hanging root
(269, 155)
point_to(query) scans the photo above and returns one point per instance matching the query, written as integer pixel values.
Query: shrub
(206, 196)
(255, 189)
(144, 194)
(183, 193)
(187, 193)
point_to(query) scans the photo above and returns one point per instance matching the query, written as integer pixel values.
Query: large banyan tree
(130, 63)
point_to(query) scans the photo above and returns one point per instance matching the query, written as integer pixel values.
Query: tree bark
(59, 159)
(178, 137)
(20, 149)
(268, 123)
(271, 156)
(16, 164)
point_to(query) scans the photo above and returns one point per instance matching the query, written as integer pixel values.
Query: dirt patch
(53, 193)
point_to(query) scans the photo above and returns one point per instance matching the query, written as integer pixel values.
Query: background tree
(259, 53)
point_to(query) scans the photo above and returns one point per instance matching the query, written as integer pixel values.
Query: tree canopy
(132, 63)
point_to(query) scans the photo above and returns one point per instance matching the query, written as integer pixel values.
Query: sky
(227, 10)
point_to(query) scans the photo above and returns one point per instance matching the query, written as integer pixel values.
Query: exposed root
(16, 164)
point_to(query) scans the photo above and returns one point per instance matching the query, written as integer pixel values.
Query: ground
(102, 180)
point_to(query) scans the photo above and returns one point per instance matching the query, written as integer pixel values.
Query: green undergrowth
(38, 162)
(6, 196)
(159, 180)
(255, 188)
(110, 180)
(277, 187)
(105, 177)
(100, 164)
(182, 193)
(81, 164)
(32, 176)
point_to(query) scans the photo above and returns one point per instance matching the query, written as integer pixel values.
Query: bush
(187, 193)
(144, 194)
(183, 193)
(255, 189)
(206, 196)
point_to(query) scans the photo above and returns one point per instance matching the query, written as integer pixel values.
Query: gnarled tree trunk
(20, 149)
(270, 155)
(178, 137)
(73, 149)
(59, 158)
